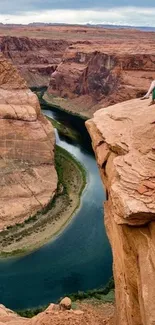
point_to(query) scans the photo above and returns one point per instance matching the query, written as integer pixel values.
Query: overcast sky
(135, 12)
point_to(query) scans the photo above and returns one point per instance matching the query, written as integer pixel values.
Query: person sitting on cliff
(151, 90)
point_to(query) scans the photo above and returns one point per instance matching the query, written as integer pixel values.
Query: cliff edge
(87, 313)
(28, 179)
(123, 138)
(87, 80)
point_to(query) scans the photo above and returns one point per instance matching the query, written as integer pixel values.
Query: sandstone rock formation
(66, 303)
(35, 58)
(92, 76)
(99, 66)
(123, 138)
(53, 315)
(28, 178)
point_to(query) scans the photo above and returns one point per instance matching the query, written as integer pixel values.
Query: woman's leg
(153, 94)
(152, 86)
(153, 97)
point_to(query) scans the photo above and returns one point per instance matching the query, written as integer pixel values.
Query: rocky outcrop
(55, 315)
(28, 178)
(123, 138)
(89, 79)
(95, 67)
(36, 59)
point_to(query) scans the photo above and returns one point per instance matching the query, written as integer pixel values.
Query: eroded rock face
(54, 315)
(36, 59)
(95, 67)
(123, 138)
(28, 179)
(89, 79)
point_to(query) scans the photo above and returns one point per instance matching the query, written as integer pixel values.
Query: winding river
(80, 257)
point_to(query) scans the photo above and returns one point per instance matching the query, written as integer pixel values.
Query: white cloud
(134, 16)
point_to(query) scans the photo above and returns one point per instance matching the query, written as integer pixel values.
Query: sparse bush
(95, 293)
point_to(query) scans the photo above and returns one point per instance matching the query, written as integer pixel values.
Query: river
(80, 257)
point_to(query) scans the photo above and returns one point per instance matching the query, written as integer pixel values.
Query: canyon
(36, 59)
(92, 76)
(28, 176)
(123, 141)
(94, 67)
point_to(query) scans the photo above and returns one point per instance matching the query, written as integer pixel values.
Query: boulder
(65, 303)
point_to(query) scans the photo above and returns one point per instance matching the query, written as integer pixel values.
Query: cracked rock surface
(28, 179)
(123, 138)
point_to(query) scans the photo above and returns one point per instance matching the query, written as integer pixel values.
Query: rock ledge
(123, 137)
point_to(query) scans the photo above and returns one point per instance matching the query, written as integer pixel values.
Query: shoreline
(22, 239)
(105, 294)
(65, 131)
(55, 103)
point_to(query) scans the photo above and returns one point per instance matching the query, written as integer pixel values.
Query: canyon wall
(89, 79)
(85, 69)
(28, 178)
(123, 139)
(36, 59)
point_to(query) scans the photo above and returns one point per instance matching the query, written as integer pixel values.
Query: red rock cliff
(28, 178)
(35, 58)
(123, 138)
(93, 76)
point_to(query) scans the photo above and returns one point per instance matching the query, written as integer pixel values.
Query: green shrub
(95, 293)
(29, 313)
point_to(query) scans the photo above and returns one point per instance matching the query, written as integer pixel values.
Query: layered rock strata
(28, 179)
(92, 76)
(95, 67)
(123, 138)
(36, 59)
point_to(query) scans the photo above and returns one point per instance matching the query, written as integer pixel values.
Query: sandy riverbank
(37, 230)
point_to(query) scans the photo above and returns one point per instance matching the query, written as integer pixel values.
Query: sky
(116, 12)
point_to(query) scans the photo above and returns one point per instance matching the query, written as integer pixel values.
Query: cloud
(134, 16)
(21, 6)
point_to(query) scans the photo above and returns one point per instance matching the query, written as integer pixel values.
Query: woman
(151, 90)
